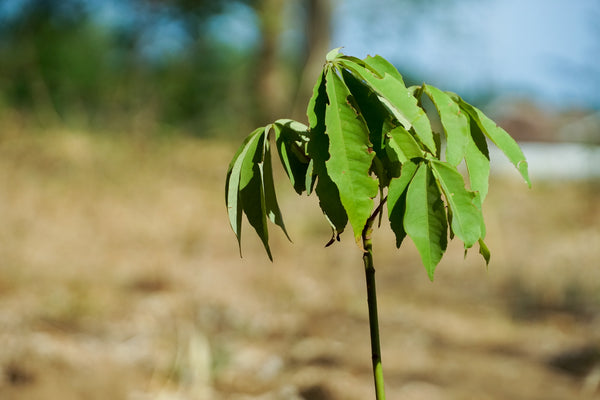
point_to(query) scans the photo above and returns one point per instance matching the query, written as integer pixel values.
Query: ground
(120, 278)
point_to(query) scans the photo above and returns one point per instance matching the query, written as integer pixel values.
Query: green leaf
(484, 251)
(252, 189)
(425, 218)
(477, 159)
(316, 105)
(333, 54)
(271, 206)
(379, 121)
(403, 144)
(351, 153)
(291, 138)
(396, 200)
(466, 215)
(399, 101)
(454, 122)
(318, 151)
(383, 66)
(232, 183)
(498, 136)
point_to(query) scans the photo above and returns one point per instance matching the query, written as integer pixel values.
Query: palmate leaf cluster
(370, 141)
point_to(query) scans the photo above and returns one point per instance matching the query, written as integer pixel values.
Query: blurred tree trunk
(318, 37)
(279, 95)
(272, 90)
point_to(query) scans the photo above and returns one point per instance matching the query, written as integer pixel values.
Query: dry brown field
(120, 278)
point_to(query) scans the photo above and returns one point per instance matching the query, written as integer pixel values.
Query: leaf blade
(425, 218)
(318, 151)
(351, 153)
(383, 66)
(252, 189)
(499, 137)
(233, 184)
(291, 138)
(477, 160)
(403, 144)
(396, 200)
(270, 198)
(454, 122)
(399, 100)
(466, 215)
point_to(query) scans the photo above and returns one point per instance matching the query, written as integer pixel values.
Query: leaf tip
(523, 168)
(333, 54)
(430, 273)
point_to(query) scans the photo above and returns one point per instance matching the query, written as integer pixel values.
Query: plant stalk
(372, 304)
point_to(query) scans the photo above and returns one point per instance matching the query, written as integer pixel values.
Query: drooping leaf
(251, 189)
(498, 136)
(316, 105)
(425, 218)
(310, 176)
(396, 200)
(318, 151)
(454, 122)
(378, 121)
(484, 251)
(271, 206)
(466, 215)
(232, 183)
(399, 100)
(291, 138)
(477, 159)
(351, 153)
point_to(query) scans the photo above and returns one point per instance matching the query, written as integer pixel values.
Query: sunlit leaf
(498, 136)
(477, 160)
(466, 215)
(383, 66)
(251, 189)
(425, 218)
(232, 183)
(318, 151)
(333, 54)
(368, 134)
(403, 144)
(379, 122)
(454, 122)
(351, 153)
(399, 100)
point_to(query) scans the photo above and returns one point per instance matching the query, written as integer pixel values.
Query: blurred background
(120, 277)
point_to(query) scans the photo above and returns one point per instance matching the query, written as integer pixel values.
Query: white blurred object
(550, 161)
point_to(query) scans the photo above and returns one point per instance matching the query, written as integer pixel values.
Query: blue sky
(545, 50)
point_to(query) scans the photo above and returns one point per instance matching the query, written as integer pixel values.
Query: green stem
(372, 303)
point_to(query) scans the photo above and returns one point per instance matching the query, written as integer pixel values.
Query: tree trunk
(318, 36)
(272, 90)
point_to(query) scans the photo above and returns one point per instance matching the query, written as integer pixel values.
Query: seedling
(370, 142)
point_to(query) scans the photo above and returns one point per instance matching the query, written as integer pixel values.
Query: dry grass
(120, 278)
